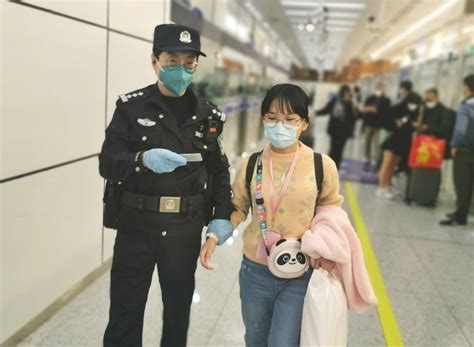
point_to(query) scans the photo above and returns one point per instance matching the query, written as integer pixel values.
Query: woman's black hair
(343, 90)
(288, 95)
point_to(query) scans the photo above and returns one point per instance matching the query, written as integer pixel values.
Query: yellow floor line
(384, 308)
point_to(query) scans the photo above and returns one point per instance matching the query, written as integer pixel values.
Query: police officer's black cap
(175, 37)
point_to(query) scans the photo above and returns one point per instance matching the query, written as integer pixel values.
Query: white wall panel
(129, 67)
(207, 64)
(138, 17)
(91, 10)
(50, 238)
(53, 108)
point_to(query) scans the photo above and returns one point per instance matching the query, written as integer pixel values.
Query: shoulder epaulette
(216, 112)
(132, 96)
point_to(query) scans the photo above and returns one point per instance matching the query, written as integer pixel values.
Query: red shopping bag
(426, 152)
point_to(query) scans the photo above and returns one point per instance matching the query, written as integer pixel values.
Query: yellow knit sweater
(297, 207)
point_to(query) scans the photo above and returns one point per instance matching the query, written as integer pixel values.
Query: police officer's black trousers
(463, 182)
(134, 260)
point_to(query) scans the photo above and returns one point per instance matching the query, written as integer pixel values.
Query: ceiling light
(310, 27)
(345, 5)
(330, 14)
(414, 27)
(341, 22)
(253, 10)
(339, 29)
(301, 27)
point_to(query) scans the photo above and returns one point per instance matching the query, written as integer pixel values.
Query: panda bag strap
(261, 213)
(285, 258)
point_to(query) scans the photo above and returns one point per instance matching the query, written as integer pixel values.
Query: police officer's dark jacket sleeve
(218, 169)
(116, 160)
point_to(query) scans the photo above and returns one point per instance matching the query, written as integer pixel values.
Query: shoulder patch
(216, 113)
(135, 95)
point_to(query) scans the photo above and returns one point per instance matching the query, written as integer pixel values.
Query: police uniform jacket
(142, 122)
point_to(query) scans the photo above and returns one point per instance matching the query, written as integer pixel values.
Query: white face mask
(378, 93)
(430, 104)
(412, 107)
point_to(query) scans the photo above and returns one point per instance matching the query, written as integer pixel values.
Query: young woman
(284, 180)
(397, 146)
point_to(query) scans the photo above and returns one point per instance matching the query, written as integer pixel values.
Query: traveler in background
(341, 123)
(357, 96)
(375, 106)
(462, 151)
(397, 145)
(435, 120)
(438, 120)
(357, 101)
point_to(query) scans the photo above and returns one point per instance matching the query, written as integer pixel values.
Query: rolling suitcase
(423, 186)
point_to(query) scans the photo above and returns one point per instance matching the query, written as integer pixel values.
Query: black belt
(164, 204)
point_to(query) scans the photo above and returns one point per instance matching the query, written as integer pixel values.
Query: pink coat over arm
(331, 236)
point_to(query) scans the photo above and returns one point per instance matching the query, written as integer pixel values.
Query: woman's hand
(207, 251)
(326, 264)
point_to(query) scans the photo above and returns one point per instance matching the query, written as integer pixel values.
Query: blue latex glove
(161, 160)
(222, 228)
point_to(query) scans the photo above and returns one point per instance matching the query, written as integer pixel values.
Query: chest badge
(146, 122)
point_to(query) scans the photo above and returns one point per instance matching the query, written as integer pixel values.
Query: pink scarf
(331, 236)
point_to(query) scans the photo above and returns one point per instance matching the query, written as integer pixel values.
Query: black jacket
(141, 122)
(440, 121)
(400, 111)
(382, 104)
(342, 119)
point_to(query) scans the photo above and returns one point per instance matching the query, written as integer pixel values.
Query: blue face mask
(176, 78)
(280, 136)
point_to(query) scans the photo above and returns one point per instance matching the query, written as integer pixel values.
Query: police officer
(165, 168)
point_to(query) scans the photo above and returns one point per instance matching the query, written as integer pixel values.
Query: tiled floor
(428, 272)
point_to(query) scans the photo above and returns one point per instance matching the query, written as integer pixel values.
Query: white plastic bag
(324, 312)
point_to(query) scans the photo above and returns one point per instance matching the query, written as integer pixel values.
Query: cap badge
(185, 37)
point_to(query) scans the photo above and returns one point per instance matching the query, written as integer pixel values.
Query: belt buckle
(170, 204)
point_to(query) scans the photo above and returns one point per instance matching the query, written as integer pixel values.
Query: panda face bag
(285, 258)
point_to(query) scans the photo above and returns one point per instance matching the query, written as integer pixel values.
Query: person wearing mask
(283, 185)
(423, 184)
(438, 120)
(397, 146)
(341, 122)
(165, 168)
(375, 107)
(462, 150)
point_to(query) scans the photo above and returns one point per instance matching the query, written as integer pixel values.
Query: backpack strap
(318, 167)
(249, 172)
